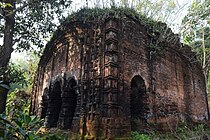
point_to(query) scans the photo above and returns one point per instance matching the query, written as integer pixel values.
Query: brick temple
(103, 78)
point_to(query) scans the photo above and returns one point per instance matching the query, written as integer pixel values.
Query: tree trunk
(205, 61)
(7, 48)
(203, 48)
(3, 98)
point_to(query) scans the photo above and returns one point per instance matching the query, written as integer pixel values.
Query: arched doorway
(69, 102)
(54, 106)
(138, 92)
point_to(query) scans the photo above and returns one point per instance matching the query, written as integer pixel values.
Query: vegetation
(118, 13)
(19, 126)
(16, 122)
(200, 132)
(195, 32)
(10, 74)
(27, 24)
(18, 76)
(156, 29)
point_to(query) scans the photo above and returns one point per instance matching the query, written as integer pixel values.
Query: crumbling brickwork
(104, 79)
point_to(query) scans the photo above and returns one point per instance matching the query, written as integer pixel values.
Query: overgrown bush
(18, 100)
(17, 123)
(19, 126)
(57, 134)
(137, 136)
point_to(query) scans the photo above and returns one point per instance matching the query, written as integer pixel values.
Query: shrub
(138, 136)
(19, 126)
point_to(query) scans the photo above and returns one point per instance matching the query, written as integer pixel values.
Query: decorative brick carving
(100, 78)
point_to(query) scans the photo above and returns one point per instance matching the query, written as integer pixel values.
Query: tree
(25, 24)
(11, 74)
(196, 33)
(159, 10)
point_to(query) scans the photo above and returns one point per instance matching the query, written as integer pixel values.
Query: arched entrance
(138, 92)
(54, 106)
(69, 102)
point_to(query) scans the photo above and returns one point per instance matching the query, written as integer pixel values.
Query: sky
(77, 4)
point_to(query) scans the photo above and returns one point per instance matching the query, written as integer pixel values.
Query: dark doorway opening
(69, 102)
(138, 92)
(44, 104)
(54, 106)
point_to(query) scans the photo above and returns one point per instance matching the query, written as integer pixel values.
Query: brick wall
(111, 81)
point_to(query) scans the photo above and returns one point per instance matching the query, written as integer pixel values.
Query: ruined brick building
(104, 78)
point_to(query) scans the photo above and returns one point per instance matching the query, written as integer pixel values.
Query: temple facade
(106, 78)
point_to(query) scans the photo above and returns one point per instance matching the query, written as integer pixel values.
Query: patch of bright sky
(77, 4)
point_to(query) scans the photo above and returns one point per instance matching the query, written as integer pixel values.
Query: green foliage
(16, 123)
(16, 101)
(5, 5)
(34, 22)
(28, 63)
(53, 137)
(88, 14)
(19, 73)
(13, 74)
(195, 23)
(137, 136)
(156, 29)
(57, 134)
(199, 132)
(19, 126)
(160, 10)
(184, 132)
(195, 32)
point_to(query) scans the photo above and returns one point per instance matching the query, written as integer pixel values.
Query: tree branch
(16, 40)
(22, 7)
(1, 12)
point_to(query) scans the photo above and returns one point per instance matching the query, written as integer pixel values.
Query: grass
(184, 132)
(199, 132)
